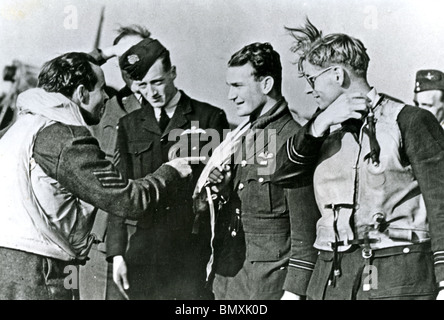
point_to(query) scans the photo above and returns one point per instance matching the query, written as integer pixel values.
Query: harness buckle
(367, 253)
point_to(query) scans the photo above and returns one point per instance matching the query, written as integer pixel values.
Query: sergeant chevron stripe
(110, 178)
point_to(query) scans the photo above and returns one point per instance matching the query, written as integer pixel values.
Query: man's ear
(81, 94)
(267, 84)
(173, 72)
(339, 74)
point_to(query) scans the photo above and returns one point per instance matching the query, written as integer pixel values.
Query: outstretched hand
(182, 165)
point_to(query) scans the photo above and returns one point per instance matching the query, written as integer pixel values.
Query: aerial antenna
(99, 30)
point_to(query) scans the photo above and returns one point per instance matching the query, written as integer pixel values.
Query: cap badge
(132, 59)
(430, 76)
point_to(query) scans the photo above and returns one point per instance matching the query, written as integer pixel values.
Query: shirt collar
(374, 97)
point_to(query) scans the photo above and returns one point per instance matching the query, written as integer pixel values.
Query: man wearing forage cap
(429, 92)
(164, 260)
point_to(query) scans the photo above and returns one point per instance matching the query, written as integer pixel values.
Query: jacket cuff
(438, 258)
(308, 144)
(114, 250)
(167, 173)
(116, 238)
(297, 280)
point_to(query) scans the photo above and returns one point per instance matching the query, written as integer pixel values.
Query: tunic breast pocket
(141, 155)
(262, 198)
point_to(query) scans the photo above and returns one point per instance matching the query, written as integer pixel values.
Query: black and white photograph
(226, 151)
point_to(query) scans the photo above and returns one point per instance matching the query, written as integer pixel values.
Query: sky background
(401, 36)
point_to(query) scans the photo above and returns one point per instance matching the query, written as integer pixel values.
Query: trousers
(256, 280)
(396, 273)
(27, 276)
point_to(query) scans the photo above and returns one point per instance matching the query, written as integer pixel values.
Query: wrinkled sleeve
(423, 141)
(72, 156)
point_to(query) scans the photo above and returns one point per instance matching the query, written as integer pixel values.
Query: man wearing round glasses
(320, 89)
(377, 168)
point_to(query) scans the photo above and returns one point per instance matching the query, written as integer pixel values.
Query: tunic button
(406, 250)
(243, 163)
(261, 180)
(241, 186)
(167, 208)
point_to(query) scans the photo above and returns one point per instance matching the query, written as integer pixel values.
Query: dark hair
(324, 51)
(66, 72)
(264, 60)
(132, 30)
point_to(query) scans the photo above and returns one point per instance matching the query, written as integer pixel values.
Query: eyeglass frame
(312, 79)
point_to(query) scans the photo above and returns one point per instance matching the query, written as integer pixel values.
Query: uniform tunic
(255, 263)
(165, 260)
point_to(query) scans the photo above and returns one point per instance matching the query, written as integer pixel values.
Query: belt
(404, 249)
(386, 252)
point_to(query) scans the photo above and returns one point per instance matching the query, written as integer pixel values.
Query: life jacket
(362, 201)
(38, 215)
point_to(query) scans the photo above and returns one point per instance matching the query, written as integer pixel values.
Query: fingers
(193, 159)
(216, 176)
(122, 290)
(347, 105)
(120, 275)
(185, 170)
(125, 283)
(355, 115)
(122, 284)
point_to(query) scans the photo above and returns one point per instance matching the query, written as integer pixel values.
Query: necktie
(164, 120)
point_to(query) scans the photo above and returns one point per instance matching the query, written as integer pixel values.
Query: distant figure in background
(159, 257)
(429, 92)
(22, 77)
(96, 274)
